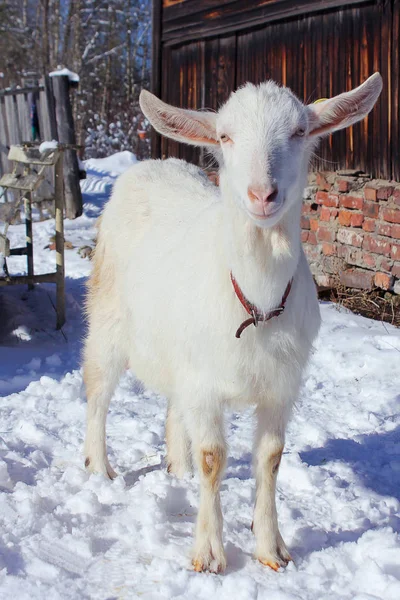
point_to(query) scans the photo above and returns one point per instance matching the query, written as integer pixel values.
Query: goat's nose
(263, 195)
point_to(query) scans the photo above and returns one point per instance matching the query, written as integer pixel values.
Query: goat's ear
(190, 126)
(344, 110)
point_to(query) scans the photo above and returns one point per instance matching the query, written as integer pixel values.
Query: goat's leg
(103, 366)
(270, 547)
(178, 443)
(209, 453)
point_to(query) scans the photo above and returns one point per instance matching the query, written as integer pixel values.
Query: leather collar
(258, 316)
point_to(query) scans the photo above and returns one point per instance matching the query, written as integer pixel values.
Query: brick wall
(351, 230)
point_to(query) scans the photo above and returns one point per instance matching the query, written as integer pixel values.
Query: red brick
(356, 219)
(312, 238)
(304, 236)
(352, 202)
(314, 224)
(322, 182)
(395, 232)
(391, 214)
(306, 208)
(370, 194)
(396, 269)
(357, 278)
(369, 225)
(396, 195)
(350, 237)
(345, 217)
(377, 245)
(383, 280)
(328, 249)
(343, 185)
(313, 253)
(305, 223)
(332, 200)
(371, 210)
(395, 253)
(320, 197)
(369, 260)
(324, 234)
(325, 214)
(385, 264)
(384, 192)
(384, 229)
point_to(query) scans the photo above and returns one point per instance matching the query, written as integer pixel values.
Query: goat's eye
(300, 132)
(224, 138)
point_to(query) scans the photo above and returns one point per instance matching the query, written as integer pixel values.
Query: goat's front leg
(209, 453)
(270, 547)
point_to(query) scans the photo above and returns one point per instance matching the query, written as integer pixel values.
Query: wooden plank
(32, 156)
(27, 183)
(14, 135)
(156, 62)
(24, 116)
(4, 143)
(384, 100)
(241, 14)
(395, 92)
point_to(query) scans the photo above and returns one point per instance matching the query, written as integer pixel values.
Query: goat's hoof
(209, 562)
(276, 561)
(104, 469)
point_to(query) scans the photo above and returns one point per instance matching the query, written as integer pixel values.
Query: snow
(47, 146)
(65, 534)
(74, 77)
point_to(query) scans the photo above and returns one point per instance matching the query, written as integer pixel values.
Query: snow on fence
(54, 121)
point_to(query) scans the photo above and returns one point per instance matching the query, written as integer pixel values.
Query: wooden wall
(203, 50)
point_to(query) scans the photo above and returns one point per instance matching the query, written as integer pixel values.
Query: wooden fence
(54, 113)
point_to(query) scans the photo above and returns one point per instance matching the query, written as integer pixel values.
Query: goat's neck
(262, 261)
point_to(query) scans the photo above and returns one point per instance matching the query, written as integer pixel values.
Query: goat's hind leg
(104, 363)
(178, 443)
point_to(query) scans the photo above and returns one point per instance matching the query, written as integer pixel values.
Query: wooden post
(66, 135)
(60, 275)
(29, 240)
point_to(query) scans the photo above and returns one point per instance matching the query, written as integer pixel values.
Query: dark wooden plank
(156, 62)
(241, 14)
(384, 101)
(394, 85)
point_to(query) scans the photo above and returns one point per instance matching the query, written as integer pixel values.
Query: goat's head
(263, 137)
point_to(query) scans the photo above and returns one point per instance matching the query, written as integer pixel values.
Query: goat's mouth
(266, 217)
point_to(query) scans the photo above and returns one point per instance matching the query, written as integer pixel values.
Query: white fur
(161, 300)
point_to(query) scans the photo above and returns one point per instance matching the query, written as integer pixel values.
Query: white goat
(177, 265)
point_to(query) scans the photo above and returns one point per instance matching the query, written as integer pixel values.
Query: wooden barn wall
(317, 55)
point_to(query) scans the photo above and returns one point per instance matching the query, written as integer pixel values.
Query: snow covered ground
(65, 534)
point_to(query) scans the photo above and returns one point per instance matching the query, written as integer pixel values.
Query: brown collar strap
(258, 316)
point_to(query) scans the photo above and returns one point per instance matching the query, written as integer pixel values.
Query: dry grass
(374, 304)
